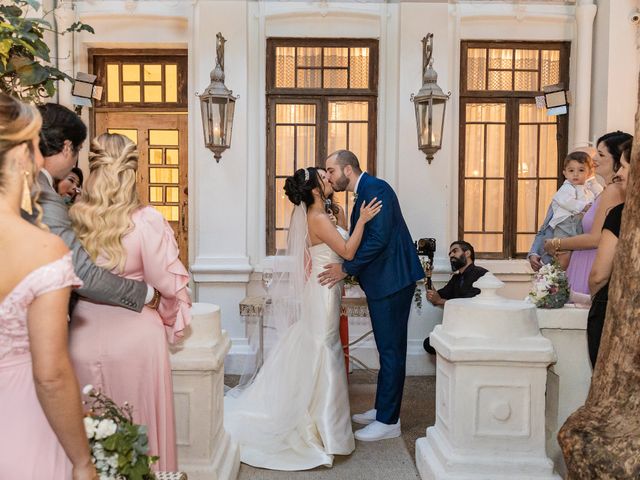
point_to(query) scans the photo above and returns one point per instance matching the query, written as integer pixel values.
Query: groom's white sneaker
(365, 418)
(378, 431)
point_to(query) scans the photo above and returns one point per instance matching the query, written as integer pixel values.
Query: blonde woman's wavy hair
(20, 123)
(102, 216)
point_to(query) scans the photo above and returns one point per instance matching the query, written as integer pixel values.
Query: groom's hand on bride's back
(331, 275)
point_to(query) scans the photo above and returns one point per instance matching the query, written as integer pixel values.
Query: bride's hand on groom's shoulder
(370, 210)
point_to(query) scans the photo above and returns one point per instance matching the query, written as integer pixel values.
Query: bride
(294, 414)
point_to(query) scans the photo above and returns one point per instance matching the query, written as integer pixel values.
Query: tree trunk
(601, 440)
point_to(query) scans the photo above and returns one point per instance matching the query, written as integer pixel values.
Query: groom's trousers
(389, 318)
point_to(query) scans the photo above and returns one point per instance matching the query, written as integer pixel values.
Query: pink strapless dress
(29, 449)
(582, 260)
(125, 354)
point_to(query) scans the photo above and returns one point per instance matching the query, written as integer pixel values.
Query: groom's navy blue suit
(387, 268)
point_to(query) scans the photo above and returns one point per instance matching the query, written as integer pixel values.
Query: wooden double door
(162, 165)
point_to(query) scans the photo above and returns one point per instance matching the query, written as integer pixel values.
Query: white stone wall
(227, 212)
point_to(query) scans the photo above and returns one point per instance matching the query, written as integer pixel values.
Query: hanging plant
(25, 70)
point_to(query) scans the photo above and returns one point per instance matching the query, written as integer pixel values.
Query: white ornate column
(585, 13)
(490, 392)
(65, 17)
(205, 449)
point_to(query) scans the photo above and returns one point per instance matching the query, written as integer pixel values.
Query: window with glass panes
(511, 151)
(321, 97)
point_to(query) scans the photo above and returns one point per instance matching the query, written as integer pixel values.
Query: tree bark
(601, 440)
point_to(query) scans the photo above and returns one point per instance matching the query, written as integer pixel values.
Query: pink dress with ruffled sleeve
(124, 353)
(29, 449)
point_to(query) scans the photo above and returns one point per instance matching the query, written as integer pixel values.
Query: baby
(573, 199)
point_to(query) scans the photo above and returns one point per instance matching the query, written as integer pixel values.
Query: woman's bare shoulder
(612, 195)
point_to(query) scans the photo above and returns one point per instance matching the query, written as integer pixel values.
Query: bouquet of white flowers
(119, 448)
(550, 287)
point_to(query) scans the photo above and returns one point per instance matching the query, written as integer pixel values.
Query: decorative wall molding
(221, 269)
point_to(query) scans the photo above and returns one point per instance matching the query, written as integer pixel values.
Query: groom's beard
(340, 185)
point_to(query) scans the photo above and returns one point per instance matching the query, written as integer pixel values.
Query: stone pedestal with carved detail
(205, 449)
(490, 392)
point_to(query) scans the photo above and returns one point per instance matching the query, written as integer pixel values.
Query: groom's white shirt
(355, 189)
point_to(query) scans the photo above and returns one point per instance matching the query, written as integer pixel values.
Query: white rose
(90, 425)
(87, 389)
(113, 461)
(106, 428)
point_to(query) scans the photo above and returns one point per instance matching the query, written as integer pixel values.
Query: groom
(388, 268)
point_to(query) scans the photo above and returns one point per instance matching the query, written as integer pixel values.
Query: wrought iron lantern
(218, 105)
(430, 103)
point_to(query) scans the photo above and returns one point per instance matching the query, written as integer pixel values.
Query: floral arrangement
(119, 448)
(426, 267)
(550, 287)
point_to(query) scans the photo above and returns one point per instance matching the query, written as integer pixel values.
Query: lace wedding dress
(295, 415)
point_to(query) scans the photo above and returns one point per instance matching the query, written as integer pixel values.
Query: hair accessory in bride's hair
(306, 175)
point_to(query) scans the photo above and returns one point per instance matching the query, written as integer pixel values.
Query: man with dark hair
(70, 186)
(61, 139)
(462, 257)
(388, 268)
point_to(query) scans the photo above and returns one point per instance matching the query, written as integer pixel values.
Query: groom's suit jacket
(100, 285)
(386, 261)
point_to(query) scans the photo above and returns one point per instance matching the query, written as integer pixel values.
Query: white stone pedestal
(490, 392)
(205, 450)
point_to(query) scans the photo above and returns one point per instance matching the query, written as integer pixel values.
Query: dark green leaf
(11, 10)
(80, 27)
(33, 4)
(32, 74)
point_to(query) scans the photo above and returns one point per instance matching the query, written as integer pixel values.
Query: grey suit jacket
(100, 285)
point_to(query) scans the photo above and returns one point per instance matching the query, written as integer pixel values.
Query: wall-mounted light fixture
(218, 106)
(430, 103)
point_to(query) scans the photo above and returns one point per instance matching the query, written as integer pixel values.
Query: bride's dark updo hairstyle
(299, 190)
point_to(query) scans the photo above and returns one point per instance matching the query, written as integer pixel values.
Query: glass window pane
(528, 151)
(291, 113)
(173, 156)
(170, 83)
(155, 194)
(309, 57)
(131, 134)
(474, 151)
(549, 151)
(529, 113)
(359, 68)
(283, 206)
(309, 78)
(171, 213)
(155, 156)
(336, 57)
(473, 196)
(526, 81)
(547, 191)
(485, 243)
(113, 83)
(500, 80)
(337, 137)
(285, 145)
(163, 137)
(173, 194)
(526, 200)
(306, 147)
(131, 93)
(335, 78)
(358, 141)
(163, 175)
(285, 67)
(152, 73)
(153, 93)
(500, 58)
(476, 68)
(495, 150)
(494, 206)
(524, 242)
(345, 111)
(526, 59)
(131, 73)
(486, 112)
(281, 239)
(550, 68)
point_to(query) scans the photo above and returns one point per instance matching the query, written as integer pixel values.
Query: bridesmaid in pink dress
(123, 353)
(41, 431)
(584, 247)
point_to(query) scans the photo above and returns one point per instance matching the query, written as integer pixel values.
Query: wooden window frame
(512, 100)
(321, 98)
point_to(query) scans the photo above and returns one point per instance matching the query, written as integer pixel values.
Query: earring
(26, 195)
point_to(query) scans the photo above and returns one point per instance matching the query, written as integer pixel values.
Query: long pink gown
(124, 353)
(29, 449)
(582, 260)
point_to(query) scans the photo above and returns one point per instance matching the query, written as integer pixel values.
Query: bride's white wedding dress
(295, 415)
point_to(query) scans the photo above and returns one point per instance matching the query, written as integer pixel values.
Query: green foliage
(25, 72)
